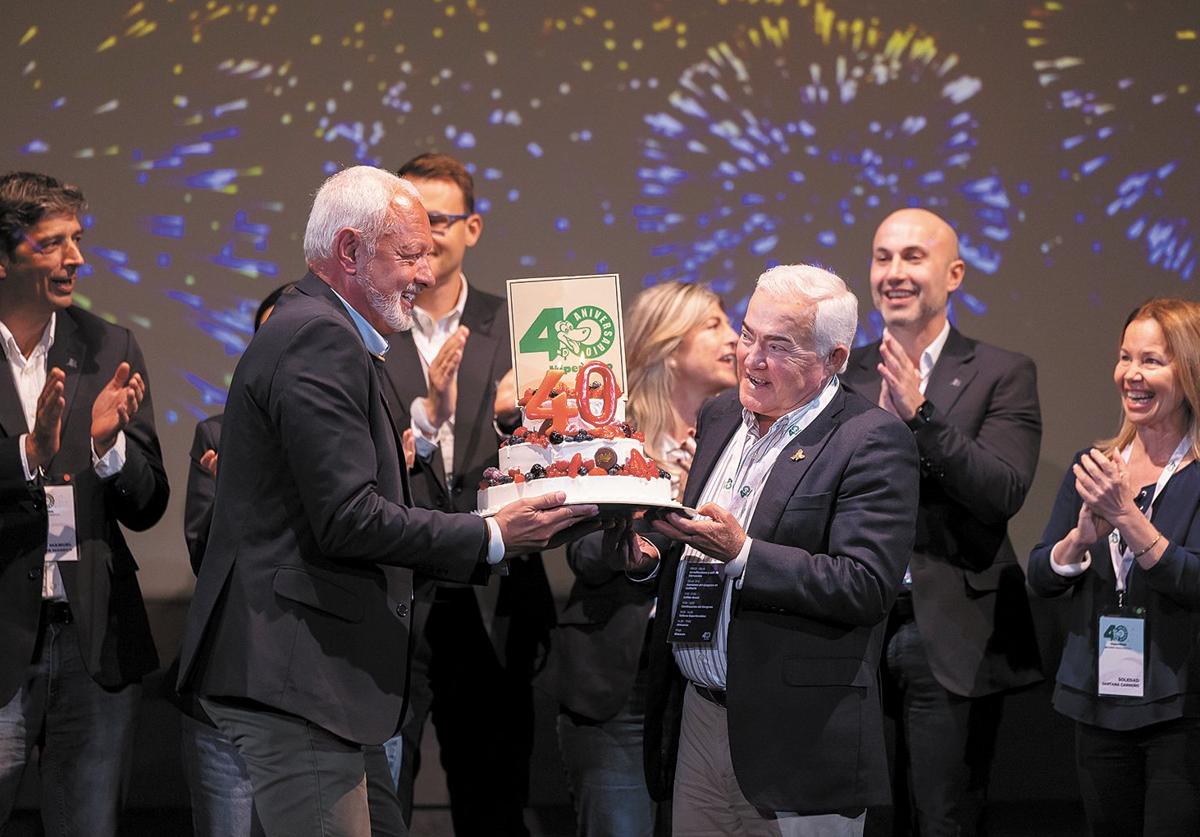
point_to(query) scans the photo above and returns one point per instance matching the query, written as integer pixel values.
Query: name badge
(61, 539)
(1122, 662)
(698, 609)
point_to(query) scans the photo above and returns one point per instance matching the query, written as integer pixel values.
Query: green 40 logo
(587, 332)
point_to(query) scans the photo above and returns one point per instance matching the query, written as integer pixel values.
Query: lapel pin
(72, 363)
(957, 382)
(798, 455)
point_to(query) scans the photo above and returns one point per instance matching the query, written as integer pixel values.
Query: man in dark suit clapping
(961, 633)
(78, 456)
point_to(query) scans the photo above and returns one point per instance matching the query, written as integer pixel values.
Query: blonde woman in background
(680, 351)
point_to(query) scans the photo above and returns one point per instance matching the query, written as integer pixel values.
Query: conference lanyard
(1122, 559)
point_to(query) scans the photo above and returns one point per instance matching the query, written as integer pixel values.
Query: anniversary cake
(574, 438)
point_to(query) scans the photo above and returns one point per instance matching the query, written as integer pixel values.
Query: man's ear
(955, 273)
(474, 224)
(345, 250)
(838, 358)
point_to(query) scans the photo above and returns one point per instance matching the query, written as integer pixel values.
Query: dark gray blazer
(102, 586)
(831, 533)
(978, 456)
(303, 600)
(1169, 592)
(522, 610)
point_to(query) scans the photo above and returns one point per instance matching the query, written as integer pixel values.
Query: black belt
(56, 613)
(716, 696)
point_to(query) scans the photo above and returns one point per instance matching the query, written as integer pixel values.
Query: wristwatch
(923, 417)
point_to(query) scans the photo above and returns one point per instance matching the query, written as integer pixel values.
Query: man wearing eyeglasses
(443, 377)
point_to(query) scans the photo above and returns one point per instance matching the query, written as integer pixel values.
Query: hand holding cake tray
(573, 436)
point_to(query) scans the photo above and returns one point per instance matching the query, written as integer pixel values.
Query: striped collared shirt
(735, 484)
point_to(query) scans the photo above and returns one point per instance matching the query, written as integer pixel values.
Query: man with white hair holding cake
(763, 711)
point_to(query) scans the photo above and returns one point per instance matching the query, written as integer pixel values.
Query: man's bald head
(915, 267)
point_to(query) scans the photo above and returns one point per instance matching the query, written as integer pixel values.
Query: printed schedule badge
(698, 610)
(1122, 657)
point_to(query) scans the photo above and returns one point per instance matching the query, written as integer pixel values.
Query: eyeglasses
(439, 222)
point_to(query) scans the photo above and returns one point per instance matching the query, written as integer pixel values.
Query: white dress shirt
(736, 484)
(429, 335)
(29, 376)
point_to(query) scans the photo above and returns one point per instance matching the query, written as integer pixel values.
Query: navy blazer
(1169, 591)
(303, 599)
(831, 534)
(102, 587)
(978, 457)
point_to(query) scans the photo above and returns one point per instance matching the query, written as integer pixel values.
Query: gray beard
(390, 308)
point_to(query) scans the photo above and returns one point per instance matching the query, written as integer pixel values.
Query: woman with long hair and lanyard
(1124, 541)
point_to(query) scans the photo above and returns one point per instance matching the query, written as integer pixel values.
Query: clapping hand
(1103, 484)
(900, 381)
(443, 377)
(115, 406)
(42, 442)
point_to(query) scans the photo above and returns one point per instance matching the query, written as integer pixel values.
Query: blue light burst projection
(787, 137)
(1126, 129)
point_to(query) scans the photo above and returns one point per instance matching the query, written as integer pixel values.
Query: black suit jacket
(303, 598)
(1169, 592)
(102, 586)
(831, 532)
(521, 600)
(596, 649)
(201, 490)
(978, 456)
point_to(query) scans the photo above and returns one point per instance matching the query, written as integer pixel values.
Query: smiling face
(705, 358)
(914, 269)
(444, 197)
(38, 278)
(777, 365)
(388, 280)
(1145, 377)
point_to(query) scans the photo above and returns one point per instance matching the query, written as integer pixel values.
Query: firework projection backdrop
(702, 140)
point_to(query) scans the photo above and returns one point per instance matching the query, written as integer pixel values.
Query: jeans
(84, 732)
(603, 760)
(218, 783)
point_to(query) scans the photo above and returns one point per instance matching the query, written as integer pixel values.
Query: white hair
(836, 319)
(358, 198)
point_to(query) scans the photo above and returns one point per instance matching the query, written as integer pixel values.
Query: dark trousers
(483, 715)
(1141, 781)
(307, 780)
(943, 743)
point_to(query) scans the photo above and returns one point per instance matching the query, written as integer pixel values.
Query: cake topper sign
(563, 323)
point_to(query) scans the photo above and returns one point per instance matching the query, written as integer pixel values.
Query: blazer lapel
(70, 355)
(867, 381)
(787, 473)
(476, 393)
(953, 371)
(12, 416)
(725, 420)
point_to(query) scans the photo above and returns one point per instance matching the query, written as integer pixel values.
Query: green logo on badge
(587, 332)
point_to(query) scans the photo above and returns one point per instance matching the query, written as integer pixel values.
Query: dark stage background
(702, 140)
